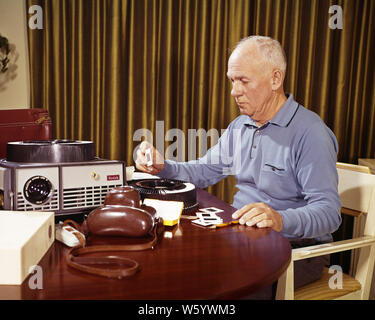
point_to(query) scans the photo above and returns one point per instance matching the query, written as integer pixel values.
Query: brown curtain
(104, 69)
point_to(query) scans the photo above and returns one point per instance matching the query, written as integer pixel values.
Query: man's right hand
(142, 161)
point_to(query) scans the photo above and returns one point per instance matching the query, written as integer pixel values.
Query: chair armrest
(332, 247)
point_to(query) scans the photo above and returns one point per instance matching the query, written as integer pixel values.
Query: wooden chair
(353, 167)
(357, 193)
(358, 221)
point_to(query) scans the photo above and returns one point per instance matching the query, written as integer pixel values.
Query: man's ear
(277, 79)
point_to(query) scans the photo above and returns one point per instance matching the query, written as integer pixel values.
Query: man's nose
(237, 89)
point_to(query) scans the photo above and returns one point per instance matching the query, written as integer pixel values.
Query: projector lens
(37, 190)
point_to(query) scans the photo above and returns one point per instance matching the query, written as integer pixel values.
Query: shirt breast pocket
(277, 181)
(277, 169)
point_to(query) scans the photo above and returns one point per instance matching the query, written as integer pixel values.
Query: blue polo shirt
(288, 163)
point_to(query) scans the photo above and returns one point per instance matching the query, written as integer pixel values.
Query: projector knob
(95, 175)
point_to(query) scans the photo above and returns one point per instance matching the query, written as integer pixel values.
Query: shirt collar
(286, 113)
(282, 117)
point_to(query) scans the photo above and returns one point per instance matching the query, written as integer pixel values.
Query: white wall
(14, 83)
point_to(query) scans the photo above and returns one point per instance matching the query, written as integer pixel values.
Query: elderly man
(286, 175)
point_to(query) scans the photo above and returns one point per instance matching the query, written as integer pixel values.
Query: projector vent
(85, 197)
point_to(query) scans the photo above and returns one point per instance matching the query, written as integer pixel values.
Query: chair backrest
(353, 167)
(357, 192)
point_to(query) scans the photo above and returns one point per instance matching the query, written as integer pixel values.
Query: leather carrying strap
(124, 267)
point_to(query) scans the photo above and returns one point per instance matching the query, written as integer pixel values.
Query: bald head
(256, 69)
(268, 49)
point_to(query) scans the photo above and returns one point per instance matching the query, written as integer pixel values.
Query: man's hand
(142, 160)
(259, 214)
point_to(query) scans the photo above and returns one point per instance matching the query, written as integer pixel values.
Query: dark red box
(22, 125)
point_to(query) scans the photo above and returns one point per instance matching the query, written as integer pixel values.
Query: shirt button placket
(256, 140)
(254, 143)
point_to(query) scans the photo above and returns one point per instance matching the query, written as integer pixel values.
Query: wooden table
(190, 262)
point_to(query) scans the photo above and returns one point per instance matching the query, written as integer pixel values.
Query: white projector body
(64, 188)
